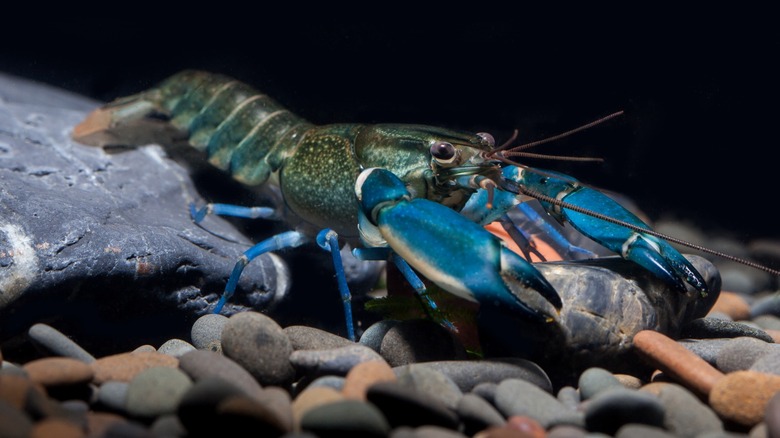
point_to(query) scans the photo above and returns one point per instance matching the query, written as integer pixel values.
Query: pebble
(684, 413)
(569, 397)
(310, 338)
(56, 427)
(772, 416)
(240, 414)
(567, 431)
(58, 371)
(373, 335)
(335, 361)
(742, 396)
(124, 366)
(518, 397)
(741, 353)
(198, 405)
(704, 328)
(363, 375)
(346, 418)
(634, 430)
(733, 305)
(277, 401)
(113, 395)
(334, 382)
(707, 349)
(176, 347)
(311, 398)
(206, 332)
(767, 322)
(156, 391)
(203, 364)
(257, 343)
(477, 414)
(403, 406)
(766, 305)
(768, 363)
(628, 381)
(419, 340)
(429, 382)
(607, 411)
(469, 373)
(594, 380)
(57, 343)
(676, 361)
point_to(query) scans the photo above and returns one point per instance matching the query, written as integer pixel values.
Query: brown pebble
(363, 375)
(733, 305)
(775, 334)
(99, 422)
(55, 371)
(676, 361)
(55, 427)
(516, 427)
(124, 366)
(629, 381)
(14, 390)
(742, 396)
(311, 398)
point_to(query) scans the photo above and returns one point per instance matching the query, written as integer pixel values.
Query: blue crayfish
(416, 195)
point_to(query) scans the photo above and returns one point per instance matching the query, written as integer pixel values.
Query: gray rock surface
(96, 238)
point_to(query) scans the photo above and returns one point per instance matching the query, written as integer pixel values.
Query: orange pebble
(676, 361)
(733, 305)
(363, 375)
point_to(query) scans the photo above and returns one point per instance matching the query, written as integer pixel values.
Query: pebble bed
(247, 376)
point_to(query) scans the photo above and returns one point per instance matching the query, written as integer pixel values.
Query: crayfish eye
(443, 152)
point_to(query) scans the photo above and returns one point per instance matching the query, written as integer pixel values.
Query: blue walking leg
(328, 240)
(414, 280)
(289, 239)
(231, 210)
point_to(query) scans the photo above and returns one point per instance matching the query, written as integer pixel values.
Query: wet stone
(742, 396)
(469, 373)
(13, 421)
(486, 391)
(594, 380)
(198, 405)
(113, 395)
(768, 363)
(704, 328)
(55, 342)
(419, 341)
(156, 391)
(175, 347)
(403, 406)
(124, 366)
(767, 322)
(240, 414)
(206, 333)
(310, 338)
(167, 426)
(311, 398)
(336, 361)
(609, 410)
(518, 397)
(707, 349)
(333, 382)
(731, 304)
(257, 343)
(430, 382)
(58, 371)
(772, 416)
(203, 364)
(346, 418)
(373, 335)
(569, 397)
(363, 375)
(741, 353)
(277, 402)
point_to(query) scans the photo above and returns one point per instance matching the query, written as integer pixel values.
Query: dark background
(699, 88)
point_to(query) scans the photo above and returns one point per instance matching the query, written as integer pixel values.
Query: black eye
(443, 151)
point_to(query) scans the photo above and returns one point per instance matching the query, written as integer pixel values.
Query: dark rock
(772, 416)
(430, 382)
(605, 303)
(741, 353)
(107, 235)
(203, 364)
(594, 380)
(766, 305)
(404, 406)
(518, 397)
(336, 361)
(197, 409)
(419, 340)
(609, 410)
(258, 344)
(346, 418)
(156, 391)
(476, 414)
(311, 338)
(373, 335)
(469, 373)
(704, 328)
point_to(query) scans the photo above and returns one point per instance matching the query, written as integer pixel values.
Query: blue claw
(452, 251)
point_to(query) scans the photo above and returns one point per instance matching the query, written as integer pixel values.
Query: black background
(699, 88)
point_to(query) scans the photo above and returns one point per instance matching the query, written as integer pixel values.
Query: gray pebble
(767, 305)
(197, 408)
(430, 382)
(487, 391)
(373, 335)
(569, 397)
(704, 328)
(420, 340)
(768, 322)
(113, 394)
(167, 426)
(740, 354)
(335, 361)
(609, 410)
(518, 397)
(469, 373)
(203, 364)
(685, 414)
(146, 348)
(436, 432)
(707, 349)
(156, 391)
(310, 338)
(404, 406)
(175, 347)
(257, 343)
(57, 343)
(759, 431)
(594, 380)
(768, 363)
(335, 382)
(206, 332)
(567, 431)
(345, 418)
(14, 422)
(643, 431)
(477, 414)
